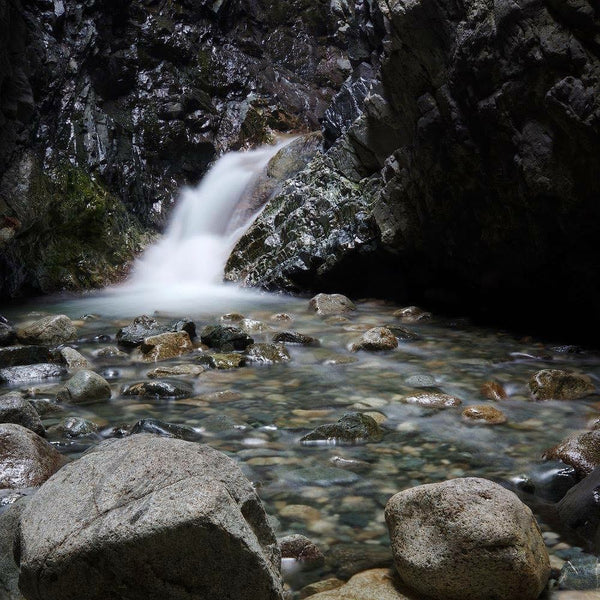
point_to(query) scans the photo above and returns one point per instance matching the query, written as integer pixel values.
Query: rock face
(147, 518)
(467, 539)
(477, 144)
(26, 460)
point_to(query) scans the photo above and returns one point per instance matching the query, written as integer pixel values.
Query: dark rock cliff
(466, 170)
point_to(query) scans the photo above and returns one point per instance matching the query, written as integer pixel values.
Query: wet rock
(554, 384)
(550, 480)
(232, 318)
(177, 370)
(28, 373)
(412, 314)
(159, 389)
(375, 339)
(346, 560)
(267, 354)
(12, 356)
(302, 550)
(54, 329)
(420, 380)
(493, 390)
(581, 451)
(223, 360)
(331, 304)
(433, 400)
(8, 333)
(321, 476)
(253, 326)
(484, 414)
(467, 539)
(295, 337)
(85, 386)
(74, 360)
(166, 345)
(75, 427)
(144, 326)
(15, 409)
(172, 430)
(324, 585)
(403, 334)
(26, 459)
(281, 318)
(9, 571)
(225, 338)
(352, 428)
(382, 584)
(169, 516)
(110, 352)
(581, 572)
(350, 463)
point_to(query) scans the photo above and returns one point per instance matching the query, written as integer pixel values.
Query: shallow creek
(257, 414)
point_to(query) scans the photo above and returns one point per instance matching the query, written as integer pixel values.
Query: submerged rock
(183, 370)
(375, 339)
(225, 338)
(493, 390)
(13, 356)
(267, 354)
(85, 386)
(554, 384)
(550, 480)
(581, 451)
(159, 389)
(331, 304)
(26, 459)
(169, 516)
(580, 572)
(485, 414)
(347, 560)
(54, 329)
(351, 429)
(301, 549)
(15, 409)
(467, 539)
(172, 430)
(166, 345)
(295, 337)
(433, 400)
(28, 373)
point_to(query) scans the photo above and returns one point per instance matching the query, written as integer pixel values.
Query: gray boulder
(143, 326)
(26, 460)
(85, 386)
(148, 518)
(15, 409)
(7, 332)
(54, 329)
(74, 360)
(9, 571)
(161, 388)
(467, 539)
(225, 338)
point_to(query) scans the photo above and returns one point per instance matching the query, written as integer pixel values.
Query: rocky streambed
(329, 408)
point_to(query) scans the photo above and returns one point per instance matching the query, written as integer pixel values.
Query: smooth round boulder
(554, 384)
(85, 386)
(54, 329)
(375, 340)
(467, 539)
(412, 314)
(148, 518)
(26, 459)
(331, 304)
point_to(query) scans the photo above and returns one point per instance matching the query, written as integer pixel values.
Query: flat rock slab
(148, 518)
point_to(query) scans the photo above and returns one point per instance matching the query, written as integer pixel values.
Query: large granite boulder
(467, 539)
(147, 517)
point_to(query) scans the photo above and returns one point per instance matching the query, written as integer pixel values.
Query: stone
(484, 414)
(580, 572)
(26, 459)
(323, 585)
(75, 427)
(375, 339)
(163, 517)
(85, 386)
(493, 390)
(302, 550)
(433, 400)
(29, 373)
(54, 329)
(177, 370)
(13, 356)
(225, 338)
(74, 360)
(331, 304)
(166, 345)
(346, 560)
(375, 584)
(267, 354)
(581, 451)
(467, 539)
(221, 360)
(549, 480)
(144, 326)
(554, 384)
(110, 352)
(9, 571)
(162, 388)
(252, 326)
(352, 428)
(403, 334)
(412, 314)
(15, 409)
(172, 430)
(294, 337)
(7, 332)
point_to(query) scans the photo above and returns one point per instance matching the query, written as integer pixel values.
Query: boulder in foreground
(467, 539)
(148, 518)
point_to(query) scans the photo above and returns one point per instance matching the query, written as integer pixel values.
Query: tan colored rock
(493, 390)
(375, 339)
(554, 384)
(166, 345)
(581, 451)
(331, 304)
(375, 584)
(177, 370)
(54, 329)
(484, 414)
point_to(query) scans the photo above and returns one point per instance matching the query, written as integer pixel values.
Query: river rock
(74, 360)
(26, 459)
(331, 304)
(482, 413)
(12, 356)
(163, 388)
(172, 430)
(580, 572)
(166, 345)
(8, 333)
(54, 329)
(295, 337)
(375, 584)
(220, 360)
(403, 334)
(352, 428)
(85, 386)
(412, 314)
(177, 370)
(317, 587)
(267, 354)
(549, 480)
(225, 338)
(554, 384)
(28, 373)
(432, 400)
(144, 326)
(581, 451)
(9, 571)
(467, 539)
(164, 518)
(110, 352)
(15, 409)
(301, 549)
(75, 427)
(493, 390)
(375, 339)
(346, 560)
